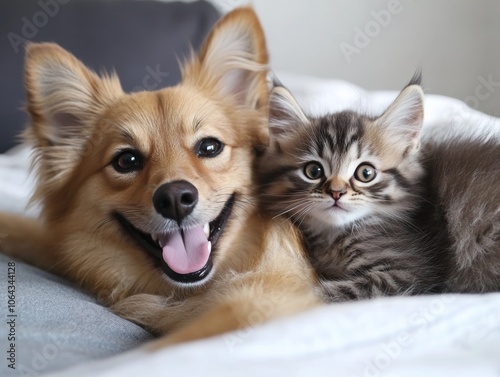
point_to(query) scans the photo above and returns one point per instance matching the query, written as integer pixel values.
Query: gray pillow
(55, 324)
(141, 40)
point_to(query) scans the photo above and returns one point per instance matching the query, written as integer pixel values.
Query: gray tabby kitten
(381, 214)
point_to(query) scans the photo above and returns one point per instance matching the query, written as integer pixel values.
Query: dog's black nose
(175, 200)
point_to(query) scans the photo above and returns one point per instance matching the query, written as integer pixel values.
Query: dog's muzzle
(184, 254)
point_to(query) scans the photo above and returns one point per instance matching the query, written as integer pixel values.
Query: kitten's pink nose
(337, 194)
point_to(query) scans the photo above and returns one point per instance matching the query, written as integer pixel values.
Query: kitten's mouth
(184, 254)
(338, 207)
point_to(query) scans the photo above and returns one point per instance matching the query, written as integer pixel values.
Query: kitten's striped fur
(365, 239)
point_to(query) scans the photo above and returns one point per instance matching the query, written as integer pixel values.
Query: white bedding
(401, 337)
(447, 335)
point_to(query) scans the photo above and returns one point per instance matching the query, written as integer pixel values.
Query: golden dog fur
(78, 123)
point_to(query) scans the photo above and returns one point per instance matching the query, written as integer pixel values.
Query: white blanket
(443, 335)
(398, 337)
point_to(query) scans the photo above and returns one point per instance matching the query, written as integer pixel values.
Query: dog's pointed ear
(64, 98)
(65, 101)
(233, 60)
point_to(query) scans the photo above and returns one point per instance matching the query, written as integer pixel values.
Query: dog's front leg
(221, 319)
(26, 239)
(158, 314)
(245, 307)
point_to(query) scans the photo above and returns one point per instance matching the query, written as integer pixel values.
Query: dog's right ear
(64, 98)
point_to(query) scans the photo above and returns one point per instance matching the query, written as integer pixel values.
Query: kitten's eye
(365, 173)
(313, 170)
(209, 147)
(127, 161)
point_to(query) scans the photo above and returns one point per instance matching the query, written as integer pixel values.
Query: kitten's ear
(233, 60)
(284, 111)
(403, 120)
(64, 97)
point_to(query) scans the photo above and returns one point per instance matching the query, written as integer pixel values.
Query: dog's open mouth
(185, 255)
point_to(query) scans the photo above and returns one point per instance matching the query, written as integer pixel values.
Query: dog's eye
(127, 161)
(209, 147)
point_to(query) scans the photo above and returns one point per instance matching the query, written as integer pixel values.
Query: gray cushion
(58, 325)
(139, 39)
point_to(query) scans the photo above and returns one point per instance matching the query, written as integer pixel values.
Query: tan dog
(147, 198)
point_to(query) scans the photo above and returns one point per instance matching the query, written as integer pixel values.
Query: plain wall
(456, 43)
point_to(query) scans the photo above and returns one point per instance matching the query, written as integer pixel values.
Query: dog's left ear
(233, 60)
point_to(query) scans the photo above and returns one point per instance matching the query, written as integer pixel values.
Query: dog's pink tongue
(187, 252)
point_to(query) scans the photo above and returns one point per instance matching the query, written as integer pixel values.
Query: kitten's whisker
(289, 209)
(302, 214)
